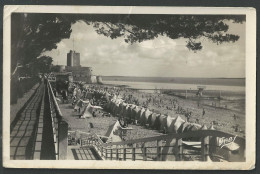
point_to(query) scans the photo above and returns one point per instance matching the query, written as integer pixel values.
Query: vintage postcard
(94, 87)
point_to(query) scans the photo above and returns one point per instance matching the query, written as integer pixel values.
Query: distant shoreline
(176, 77)
(179, 80)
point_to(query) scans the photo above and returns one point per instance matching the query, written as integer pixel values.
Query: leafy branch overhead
(32, 34)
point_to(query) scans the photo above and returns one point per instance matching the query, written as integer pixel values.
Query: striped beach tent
(145, 116)
(163, 123)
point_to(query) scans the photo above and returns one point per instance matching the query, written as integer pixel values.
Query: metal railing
(59, 126)
(169, 147)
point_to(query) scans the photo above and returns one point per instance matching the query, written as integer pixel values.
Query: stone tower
(73, 58)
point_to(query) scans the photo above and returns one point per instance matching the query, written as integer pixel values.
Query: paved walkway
(15, 108)
(82, 153)
(23, 128)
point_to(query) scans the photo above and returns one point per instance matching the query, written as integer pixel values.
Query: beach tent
(132, 113)
(182, 127)
(124, 110)
(88, 111)
(113, 107)
(80, 104)
(163, 123)
(109, 106)
(136, 112)
(89, 95)
(194, 127)
(116, 107)
(113, 132)
(174, 124)
(139, 114)
(129, 112)
(170, 121)
(145, 116)
(204, 127)
(177, 123)
(154, 121)
(78, 93)
(187, 128)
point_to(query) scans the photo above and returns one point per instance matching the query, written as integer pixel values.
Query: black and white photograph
(142, 87)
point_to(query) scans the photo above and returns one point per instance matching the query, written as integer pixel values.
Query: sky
(161, 57)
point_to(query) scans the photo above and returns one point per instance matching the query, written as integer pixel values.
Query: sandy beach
(221, 118)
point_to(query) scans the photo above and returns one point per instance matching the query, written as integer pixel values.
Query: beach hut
(145, 116)
(154, 121)
(163, 123)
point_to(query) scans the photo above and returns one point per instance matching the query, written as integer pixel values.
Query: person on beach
(235, 117)
(203, 112)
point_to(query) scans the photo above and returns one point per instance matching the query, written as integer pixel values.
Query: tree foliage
(32, 34)
(42, 64)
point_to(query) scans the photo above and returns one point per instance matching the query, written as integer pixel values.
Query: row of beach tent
(86, 109)
(145, 117)
(162, 123)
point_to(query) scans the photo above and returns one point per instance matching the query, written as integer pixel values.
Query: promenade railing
(175, 147)
(59, 126)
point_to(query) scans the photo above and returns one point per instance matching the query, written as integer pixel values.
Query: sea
(153, 83)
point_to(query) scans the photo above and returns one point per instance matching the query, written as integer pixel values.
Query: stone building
(73, 58)
(76, 71)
